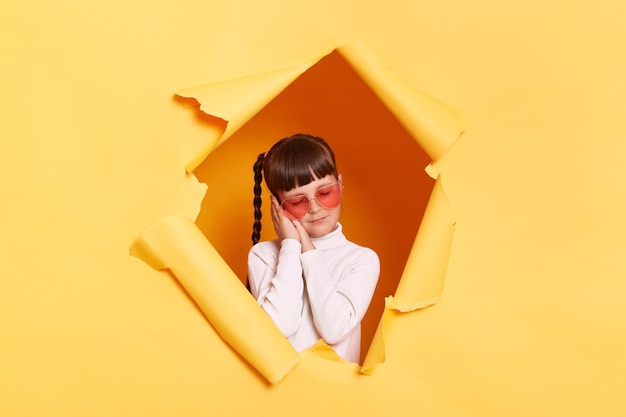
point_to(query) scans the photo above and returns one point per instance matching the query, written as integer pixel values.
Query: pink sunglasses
(327, 197)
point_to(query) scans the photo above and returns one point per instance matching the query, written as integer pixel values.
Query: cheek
(334, 214)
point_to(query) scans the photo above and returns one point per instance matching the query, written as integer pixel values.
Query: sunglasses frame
(308, 200)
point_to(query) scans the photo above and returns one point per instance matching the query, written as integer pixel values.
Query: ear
(340, 178)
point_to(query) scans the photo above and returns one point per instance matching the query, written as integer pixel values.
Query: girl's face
(318, 220)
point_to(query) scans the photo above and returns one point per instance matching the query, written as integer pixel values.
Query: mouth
(318, 220)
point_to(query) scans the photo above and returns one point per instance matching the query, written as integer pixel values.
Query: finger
(305, 239)
(300, 228)
(279, 209)
(274, 201)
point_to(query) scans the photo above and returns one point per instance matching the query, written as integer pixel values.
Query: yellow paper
(433, 125)
(376, 354)
(96, 146)
(238, 100)
(175, 243)
(423, 278)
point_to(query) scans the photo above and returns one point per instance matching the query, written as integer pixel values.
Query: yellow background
(94, 145)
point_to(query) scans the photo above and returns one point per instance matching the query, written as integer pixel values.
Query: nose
(314, 206)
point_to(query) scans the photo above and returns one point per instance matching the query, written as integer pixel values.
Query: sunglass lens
(297, 206)
(329, 197)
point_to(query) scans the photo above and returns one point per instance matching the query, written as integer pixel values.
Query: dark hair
(292, 162)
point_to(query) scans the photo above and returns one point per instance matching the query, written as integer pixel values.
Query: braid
(258, 177)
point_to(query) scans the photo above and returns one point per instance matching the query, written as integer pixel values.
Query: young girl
(312, 281)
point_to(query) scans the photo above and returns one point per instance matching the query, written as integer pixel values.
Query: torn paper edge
(434, 125)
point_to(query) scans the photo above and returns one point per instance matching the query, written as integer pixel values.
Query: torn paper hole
(384, 134)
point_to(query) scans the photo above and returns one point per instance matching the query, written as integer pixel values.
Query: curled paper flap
(423, 277)
(421, 284)
(433, 124)
(177, 244)
(322, 350)
(237, 100)
(376, 353)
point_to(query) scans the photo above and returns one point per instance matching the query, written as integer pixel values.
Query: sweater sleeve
(338, 306)
(276, 283)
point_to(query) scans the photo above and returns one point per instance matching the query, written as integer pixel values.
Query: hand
(283, 224)
(305, 239)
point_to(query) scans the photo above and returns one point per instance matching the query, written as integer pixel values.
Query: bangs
(303, 172)
(298, 163)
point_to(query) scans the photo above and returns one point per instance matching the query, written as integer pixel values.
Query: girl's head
(289, 167)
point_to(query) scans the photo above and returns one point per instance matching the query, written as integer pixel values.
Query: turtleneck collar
(330, 240)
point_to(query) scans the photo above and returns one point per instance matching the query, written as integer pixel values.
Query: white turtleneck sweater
(320, 294)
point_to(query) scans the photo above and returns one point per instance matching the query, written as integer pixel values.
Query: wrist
(291, 243)
(307, 246)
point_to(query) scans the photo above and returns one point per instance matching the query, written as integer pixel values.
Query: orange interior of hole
(386, 188)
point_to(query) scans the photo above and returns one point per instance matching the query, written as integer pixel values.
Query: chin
(323, 228)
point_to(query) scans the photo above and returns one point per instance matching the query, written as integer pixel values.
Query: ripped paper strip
(236, 101)
(421, 284)
(177, 244)
(376, 353)
(422, 281)
(432, 123)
